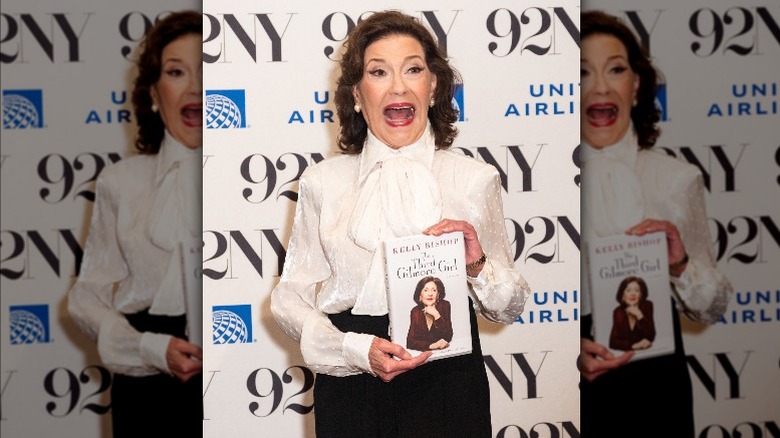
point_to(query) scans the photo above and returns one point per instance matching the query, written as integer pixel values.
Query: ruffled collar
(174, 217)
(614, 200)
(374, 151)
(172, 152)
(397, 195)
(624, 151)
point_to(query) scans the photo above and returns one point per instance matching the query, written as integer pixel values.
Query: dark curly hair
(151, 129)
(380, 25)
(624, 284)
(644, 115)
(421, 284)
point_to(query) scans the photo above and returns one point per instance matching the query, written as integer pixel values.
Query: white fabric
(612, 190)
(325, 270)
(398, 196)
(669, 189)
(176, 211)
(125, 270)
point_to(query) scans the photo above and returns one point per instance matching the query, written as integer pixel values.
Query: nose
(399, 84)
(196, 82)
(600, 83)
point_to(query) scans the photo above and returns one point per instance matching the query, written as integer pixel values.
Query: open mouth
(399, 114)
(602, 114)
(192, 114)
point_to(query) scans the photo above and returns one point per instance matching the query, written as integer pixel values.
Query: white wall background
(43, 393)
(709, 52)
(73, 58)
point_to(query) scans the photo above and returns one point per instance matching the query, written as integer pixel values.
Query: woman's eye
(175, 72)
(619, 69)
(376, 72)
(416, 70)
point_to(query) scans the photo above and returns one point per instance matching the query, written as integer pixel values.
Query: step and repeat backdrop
(720, 61)
(269, 78)
(65, 83)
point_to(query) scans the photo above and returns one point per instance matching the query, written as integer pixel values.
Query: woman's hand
(473, 247)
(441, 344)
(674, 243)
(184, 359)
(433, 311)
(596, 359)
(635, 312)
(642, 345)
(389, 360)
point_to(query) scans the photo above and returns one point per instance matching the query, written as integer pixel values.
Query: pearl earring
(432, 103)
(154, 107)
(357, 108)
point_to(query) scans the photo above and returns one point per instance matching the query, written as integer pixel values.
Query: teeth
(403, 112)
(602, 112)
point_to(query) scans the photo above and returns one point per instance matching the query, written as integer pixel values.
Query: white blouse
(325, 269)
(144, 206)
(623, 185)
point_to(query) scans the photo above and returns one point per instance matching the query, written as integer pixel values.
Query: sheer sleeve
(90, 300)
(325, 349)
(702, 292)
(499, 291)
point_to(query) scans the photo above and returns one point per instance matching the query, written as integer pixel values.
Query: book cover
(428, 294)
(192, 261)
(631, 294)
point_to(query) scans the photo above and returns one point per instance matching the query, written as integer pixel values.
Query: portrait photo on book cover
(631, 294)
(428, 294)
(633, 327)
(430, 321)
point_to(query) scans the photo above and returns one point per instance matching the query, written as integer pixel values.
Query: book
(631, 294)
(428, 295)
(192, 269)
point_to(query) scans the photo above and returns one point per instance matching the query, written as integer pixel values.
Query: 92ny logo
(735, 30)
(66, 177)
(70, 392)
(30, 249)
(57, 37)
(534, 30)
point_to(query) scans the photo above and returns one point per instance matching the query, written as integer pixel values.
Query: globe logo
(456, 106)
(457, 101)
(221, 112)
(26, 328)
(228, 328)
(19, 112)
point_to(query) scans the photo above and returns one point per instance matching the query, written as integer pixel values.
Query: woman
(633, 327)
(430, 325)
(129, 295)
(396, 177)
(630, 188)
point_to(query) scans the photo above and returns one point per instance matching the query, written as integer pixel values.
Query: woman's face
(609, 87)
(177, 93)
(429, 294)
(632, 294)
(395, 90)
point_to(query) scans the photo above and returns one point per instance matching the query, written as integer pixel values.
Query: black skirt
(157, 405)
(444, 398)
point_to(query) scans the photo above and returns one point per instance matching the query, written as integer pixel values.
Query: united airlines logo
(22, 109)
(231, 324)
(29, 324)
(660, 101)
(225, 109)
(457, 101)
